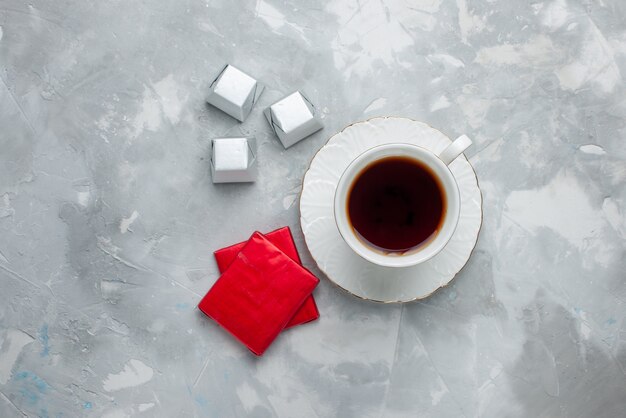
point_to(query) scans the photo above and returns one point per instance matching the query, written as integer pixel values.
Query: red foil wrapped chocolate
(258, 294)
(283, 240)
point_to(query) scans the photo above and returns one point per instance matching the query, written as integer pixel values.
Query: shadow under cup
(397, 205)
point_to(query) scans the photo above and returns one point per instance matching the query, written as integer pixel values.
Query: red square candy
(283, 240)
(257, 295)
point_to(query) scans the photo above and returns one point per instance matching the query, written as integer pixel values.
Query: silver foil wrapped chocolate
(293, 118)
(234, 92)
(233, 160)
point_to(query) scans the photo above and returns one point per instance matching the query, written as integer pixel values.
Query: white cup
(438, 164)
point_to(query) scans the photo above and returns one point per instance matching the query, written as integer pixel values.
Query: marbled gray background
(108, 217)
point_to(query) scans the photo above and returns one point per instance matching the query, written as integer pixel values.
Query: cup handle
(455, 149)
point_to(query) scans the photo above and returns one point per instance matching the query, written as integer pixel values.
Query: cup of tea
(397, 205)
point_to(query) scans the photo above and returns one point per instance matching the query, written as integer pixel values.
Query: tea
(396, 204)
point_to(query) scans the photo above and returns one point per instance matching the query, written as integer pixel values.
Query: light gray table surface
(108, 217)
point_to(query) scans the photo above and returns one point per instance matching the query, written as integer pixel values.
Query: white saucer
(333, 256)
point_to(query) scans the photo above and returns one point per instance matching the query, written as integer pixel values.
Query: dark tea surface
(396, 204)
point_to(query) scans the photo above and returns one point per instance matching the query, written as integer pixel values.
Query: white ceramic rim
(423, 252)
